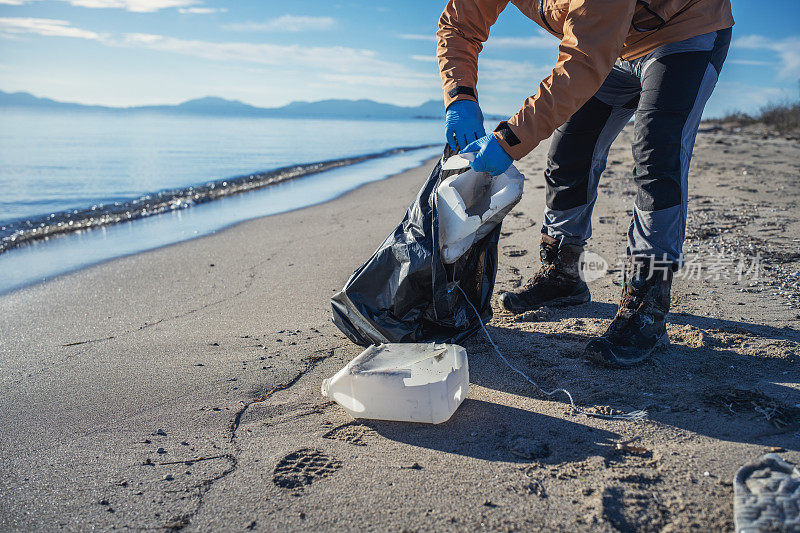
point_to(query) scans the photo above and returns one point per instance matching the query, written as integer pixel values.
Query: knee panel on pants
(657, 162)
(569, 160)
(670, 86)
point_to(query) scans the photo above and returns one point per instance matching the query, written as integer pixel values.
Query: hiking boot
(640, 325)
(557, 283)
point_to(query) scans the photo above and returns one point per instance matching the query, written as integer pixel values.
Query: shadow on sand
(720, 378)
(495, 432)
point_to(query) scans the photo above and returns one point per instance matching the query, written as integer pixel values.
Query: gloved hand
(490, 156)
(463, 123)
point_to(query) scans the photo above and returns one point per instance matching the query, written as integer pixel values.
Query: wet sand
(179, 388)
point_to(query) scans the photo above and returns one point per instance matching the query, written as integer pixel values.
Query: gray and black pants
(667, 90)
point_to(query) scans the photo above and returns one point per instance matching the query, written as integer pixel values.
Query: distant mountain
(219, 106)
(210, 105)
(359, 108)
(28, 100)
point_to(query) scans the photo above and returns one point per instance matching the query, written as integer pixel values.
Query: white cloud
(404, 81)
(787, 50)
(506, 76)
(730, 96)
(336, 64)
(418, 37)
(285, 23)
(138, 6)
(202, 10)
(427, 58)
(541, 40)
(338, 58)
(502, 83)
(749, 62)
(48, 27)
(349, 66)
(312, 61)
(353, 70)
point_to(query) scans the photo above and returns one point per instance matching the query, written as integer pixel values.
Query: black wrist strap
(505, 133)
(462, 89)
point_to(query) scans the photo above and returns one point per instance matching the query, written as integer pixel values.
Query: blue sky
(268, 53)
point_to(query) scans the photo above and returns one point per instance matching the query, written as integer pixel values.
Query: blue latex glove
(490, 156)
(463, 123)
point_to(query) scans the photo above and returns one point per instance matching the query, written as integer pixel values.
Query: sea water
(54, 164)
(52, 161)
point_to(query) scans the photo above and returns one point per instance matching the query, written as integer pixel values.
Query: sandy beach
(180, 388)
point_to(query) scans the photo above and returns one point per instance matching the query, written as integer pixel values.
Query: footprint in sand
(353, 433)
(515, 253)
(630, 508)
(519, 217)
(516, 281)
(303, 467)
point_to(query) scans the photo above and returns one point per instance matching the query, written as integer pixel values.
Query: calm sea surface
(54, 161)
(57, 162)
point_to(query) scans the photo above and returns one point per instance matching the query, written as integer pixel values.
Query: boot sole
(602, 352)
(564, 301)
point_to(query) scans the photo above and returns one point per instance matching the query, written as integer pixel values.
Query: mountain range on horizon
(213, 105)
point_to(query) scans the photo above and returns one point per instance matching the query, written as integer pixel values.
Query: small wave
(20, 232)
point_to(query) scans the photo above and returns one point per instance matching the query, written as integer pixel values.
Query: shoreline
(41, 260)
(16, 233)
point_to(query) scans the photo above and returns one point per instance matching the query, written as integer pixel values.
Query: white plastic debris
(404, 382)
(471, 204)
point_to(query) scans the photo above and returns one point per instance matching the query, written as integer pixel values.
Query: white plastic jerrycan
(471, 204)
(403, 381)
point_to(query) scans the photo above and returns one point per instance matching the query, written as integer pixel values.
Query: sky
(269, 53)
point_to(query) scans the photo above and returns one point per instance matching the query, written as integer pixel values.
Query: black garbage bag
(405, 293)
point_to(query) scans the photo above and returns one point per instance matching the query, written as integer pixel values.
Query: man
(656, 60)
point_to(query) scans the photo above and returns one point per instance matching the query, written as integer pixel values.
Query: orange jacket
(593, 33)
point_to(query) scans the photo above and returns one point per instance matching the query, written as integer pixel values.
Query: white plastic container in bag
(471, 204)
(403, 381)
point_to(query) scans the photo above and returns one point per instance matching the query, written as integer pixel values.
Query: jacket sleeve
(463, 28)
(594, 32)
